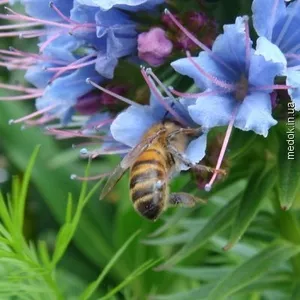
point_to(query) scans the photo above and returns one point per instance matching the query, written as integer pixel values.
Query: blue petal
(65, 90)
(130, 125)
(131, 5)
(195, 150)
(212, 111)
(37, 76)
(63, 47)
(293, 79)
(209, 65)
(265, 16)
(255, 113)
(105, 65)
(270, 52)
(227, 48)
(263, 72)
(41, 9)
(284, 31)
(159, 110)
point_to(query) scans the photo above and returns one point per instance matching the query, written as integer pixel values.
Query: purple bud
(154, 47)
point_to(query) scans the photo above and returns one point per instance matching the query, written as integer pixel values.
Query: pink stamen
(271, 87)
(13, 66)
(43, 120)
(19, 17)
(35, 114)
(97, 125)
(247, 41)
(32, 34)
(196, 41)
(292, 55)
(119, 97)
(157, 80)
(111, 151)
(196, 95)
(161, 99)
(15, 52)
(68, 20)
(70, 133)
(22, 33)
(223, 149)
(90, 178)
(215, 80)
(45, 44)
(14, 26)
(23, 97)
(19, 88)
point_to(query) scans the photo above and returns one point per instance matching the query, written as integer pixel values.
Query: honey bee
(153, 162)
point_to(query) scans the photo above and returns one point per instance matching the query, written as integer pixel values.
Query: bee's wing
(126, 163)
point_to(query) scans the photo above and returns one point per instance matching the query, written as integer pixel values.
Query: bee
(153, 163)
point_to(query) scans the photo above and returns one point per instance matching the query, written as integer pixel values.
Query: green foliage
(28, 271)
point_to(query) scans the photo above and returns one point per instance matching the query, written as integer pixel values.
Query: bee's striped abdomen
(148, 169)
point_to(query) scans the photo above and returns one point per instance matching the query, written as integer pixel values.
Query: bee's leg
(183, 199)
(189, 164)
(187, 131)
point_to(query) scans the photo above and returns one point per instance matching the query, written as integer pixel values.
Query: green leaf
(252, 269)
(221, 220)
(93, 286)
(257, 189)
(289, 175)
(20, 209)
(136, 273)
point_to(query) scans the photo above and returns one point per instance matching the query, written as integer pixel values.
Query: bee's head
(149, 209)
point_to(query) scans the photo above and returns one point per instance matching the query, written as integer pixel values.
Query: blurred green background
(264, 264)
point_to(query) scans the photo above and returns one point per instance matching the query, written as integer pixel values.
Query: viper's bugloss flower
(77, 39)
(236, 82)
(277, 25)
(130, 125)
(131, 5)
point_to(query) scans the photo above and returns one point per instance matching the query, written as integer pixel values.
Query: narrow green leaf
(4, 214)
(252, 269)
(289, 174)
(136, 273)
(43, 253)
(24, 187)
(69, 209)
(93, 286)
(63, 238)
(258, 187)
(221, 220)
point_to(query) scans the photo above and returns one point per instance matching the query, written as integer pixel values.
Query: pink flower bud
(154, 47)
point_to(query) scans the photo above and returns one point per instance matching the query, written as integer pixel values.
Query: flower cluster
(83, 42)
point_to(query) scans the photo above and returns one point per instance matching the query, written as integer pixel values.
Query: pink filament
(195, 95)
(22, 97)
(70, 133)
(223, 149)
(197, 42)
(68, 20)
(90, 178)
(19, 88)
(119, 97)
(154, 89)
(45, 44)
(35, 114)
(271, 87)
(14, 26)
(216, 81)
(248, 47)
(19, 17)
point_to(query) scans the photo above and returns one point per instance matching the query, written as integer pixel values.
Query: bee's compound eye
(149, 210)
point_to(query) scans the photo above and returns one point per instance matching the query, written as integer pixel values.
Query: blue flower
(130, 125)
(277, 25)
(131, 5)
(236, 80)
